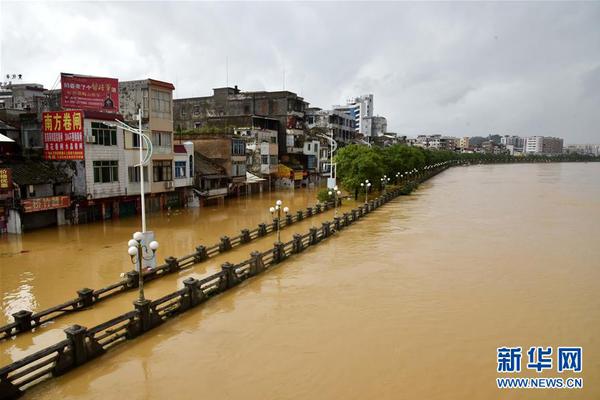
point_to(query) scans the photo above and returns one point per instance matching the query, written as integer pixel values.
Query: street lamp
(366, 185)
(144, 159)
(277, 210)
(136, 251)
(335, 193)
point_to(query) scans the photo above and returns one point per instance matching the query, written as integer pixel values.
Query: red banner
(5, 179)
(45, 203)
(63, 135)
(89, 93)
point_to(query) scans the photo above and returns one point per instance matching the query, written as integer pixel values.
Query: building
(361, 109)
(543, 145)
(437, 142)
(226, 151)
(583, 149)
(37, 195)
(336, 123)
(156, 101)
(286, 107)
(463, 142)
(378, 126)
(210, 179)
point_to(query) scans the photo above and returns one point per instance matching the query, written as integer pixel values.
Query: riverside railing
(84, 344)
(26, 320)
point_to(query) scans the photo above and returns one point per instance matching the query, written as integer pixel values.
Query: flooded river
(410, 302)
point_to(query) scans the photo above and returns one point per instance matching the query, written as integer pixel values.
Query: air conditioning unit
(90, 139)
(169, 185)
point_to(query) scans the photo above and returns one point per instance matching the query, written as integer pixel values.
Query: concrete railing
(84, 344)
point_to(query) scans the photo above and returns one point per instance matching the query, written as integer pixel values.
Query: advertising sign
(5, 179)
(63, 135)
(89, 93)
(45, 203)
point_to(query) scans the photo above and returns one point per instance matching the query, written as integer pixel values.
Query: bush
(323, 195)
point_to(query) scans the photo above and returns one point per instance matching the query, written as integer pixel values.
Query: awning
(5, 139)
(251, 178)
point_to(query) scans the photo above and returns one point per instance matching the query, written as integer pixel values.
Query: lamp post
(335, 193)
(144, 159)
(277, 211)
(136, 252)
(384, 181)
(366, 185)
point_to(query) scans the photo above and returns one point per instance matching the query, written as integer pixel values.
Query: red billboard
(63, 135)
(45, 203)
(89, 93)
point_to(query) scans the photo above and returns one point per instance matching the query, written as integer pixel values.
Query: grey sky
(453, 68)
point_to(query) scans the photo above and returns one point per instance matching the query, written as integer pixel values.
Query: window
(238, 168)
(106, 171)
(264, 159)
(191, 166)
(161, 139)
(160, 104)
(238, 148)
(196, 110)
(135, 140)
(180, 169)
(104, 134)
(308, 146)
(273, 160)
(134, 174)
(274, 139)
(162, 170)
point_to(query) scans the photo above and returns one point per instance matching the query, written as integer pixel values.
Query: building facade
(156, 101)
(361, 109)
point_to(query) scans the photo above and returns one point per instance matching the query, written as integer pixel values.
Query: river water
(411, 302)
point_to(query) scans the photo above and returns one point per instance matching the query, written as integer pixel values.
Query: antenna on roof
(226, 71)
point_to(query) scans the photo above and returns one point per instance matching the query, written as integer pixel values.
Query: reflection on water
(21, 298)
(410, 302)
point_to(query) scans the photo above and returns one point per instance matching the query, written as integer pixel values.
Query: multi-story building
(156, 101)
(228, 152)
(543, 145)
(378, 126)
(261, 138)
(463, 142)
(584, 149)
(361, 109)
(437, 142)
(337, 123)
(287, 107)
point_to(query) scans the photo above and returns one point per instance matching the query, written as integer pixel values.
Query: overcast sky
(452, 68)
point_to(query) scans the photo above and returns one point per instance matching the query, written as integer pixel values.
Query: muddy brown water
(410, 302)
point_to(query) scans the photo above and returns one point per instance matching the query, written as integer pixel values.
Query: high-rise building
(543, 145)
(361, 108)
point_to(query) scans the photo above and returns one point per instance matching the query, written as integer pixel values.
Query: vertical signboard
(5, 179)
(89, 93)
(63, 135)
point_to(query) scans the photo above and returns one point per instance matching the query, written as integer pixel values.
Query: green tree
(357, 163)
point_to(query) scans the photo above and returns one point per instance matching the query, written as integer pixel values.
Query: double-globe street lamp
(137, 247)
(366, 185)
(384, 181)
(136, 251)
(277, 211)
(335, 193)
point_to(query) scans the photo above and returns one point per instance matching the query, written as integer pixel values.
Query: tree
(357, 163)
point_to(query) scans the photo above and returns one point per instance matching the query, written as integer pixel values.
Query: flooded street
(45, 268)
(410, 302)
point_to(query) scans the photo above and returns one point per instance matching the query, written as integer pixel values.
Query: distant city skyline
(467, 69)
